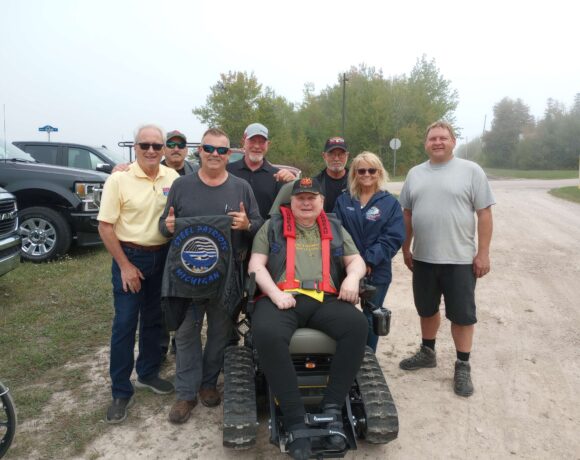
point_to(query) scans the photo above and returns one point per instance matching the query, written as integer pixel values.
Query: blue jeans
(195, 366)
(378, 299)
(143, 308)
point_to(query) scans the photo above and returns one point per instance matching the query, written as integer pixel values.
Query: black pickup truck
(56, 205)
(72, 155)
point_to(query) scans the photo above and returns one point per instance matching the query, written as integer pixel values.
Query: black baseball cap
(335, 143)
(306, 185)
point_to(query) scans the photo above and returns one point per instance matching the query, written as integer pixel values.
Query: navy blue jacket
(377, 229)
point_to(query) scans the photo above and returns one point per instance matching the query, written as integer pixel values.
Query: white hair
(149, 126)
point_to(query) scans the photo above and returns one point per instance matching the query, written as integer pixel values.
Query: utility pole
(344, 79)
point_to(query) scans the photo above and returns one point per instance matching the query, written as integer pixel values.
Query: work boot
(210, 397)
(425, 357)
(462, 384)
(117, 411)
(335, 441)
(181, 410)
(156, 385)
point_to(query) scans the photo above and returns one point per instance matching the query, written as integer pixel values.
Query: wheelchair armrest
(250, 292)
(250, 286)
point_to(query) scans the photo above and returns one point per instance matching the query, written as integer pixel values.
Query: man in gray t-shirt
(440, 199)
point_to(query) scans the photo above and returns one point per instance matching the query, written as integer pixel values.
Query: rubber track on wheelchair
(240, 413)
(382, 421)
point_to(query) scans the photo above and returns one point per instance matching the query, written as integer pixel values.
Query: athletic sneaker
(425, 357)
(155, 384)
(117, 411)
(462, 384)
(336, 441)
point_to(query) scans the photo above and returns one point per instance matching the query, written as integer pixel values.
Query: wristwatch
(250, 226)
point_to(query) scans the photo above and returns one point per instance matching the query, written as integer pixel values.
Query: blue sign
(48, 129)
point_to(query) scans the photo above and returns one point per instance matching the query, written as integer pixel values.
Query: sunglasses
(363, 171)
(210, 149)
(146, 146)
(172, 145)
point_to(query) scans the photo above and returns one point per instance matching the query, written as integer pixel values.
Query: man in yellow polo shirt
(131, 205)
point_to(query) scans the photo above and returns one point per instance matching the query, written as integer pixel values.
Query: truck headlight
(89, 194)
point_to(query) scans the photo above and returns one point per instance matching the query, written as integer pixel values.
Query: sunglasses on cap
(146, 146)
(363, 171)
(172, 145)
(210, 149)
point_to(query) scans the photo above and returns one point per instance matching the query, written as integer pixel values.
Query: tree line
(378, 108)
(517, 141)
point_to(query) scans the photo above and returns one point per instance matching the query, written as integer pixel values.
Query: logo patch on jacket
(373, 214)
(166, 191)
(203, 251)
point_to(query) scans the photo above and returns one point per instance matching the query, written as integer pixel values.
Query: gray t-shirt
(443, 199)
(191, 197)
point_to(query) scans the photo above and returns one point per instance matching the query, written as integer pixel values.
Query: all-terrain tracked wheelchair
(368, 412)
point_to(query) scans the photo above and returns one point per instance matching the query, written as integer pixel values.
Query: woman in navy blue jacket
(374, 219)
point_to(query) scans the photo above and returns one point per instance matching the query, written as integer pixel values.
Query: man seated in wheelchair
(308, 270)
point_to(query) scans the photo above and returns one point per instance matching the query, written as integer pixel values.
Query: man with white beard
(265, 179)
(333, 178)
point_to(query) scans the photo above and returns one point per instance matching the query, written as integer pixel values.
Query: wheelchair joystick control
(381, 316)
(381, 321)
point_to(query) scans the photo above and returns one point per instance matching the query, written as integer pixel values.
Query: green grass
(532, 174)
(51, 315)
(567, 193)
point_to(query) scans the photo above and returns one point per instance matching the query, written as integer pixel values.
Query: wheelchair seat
(311, 341)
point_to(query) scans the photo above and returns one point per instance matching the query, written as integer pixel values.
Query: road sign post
(395, 145)
(48, 129)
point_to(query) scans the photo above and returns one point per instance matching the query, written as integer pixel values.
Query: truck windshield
(116, 157)
(11, 152)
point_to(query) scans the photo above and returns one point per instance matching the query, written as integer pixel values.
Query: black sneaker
(425, 357)
(462, 384)
(117, 411)
(336, 441)
(156, 384)
(300, 448)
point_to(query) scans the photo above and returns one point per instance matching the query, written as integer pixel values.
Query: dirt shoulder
(526, 359)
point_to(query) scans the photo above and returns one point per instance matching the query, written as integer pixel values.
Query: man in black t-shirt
(333, 178)
(266, 180)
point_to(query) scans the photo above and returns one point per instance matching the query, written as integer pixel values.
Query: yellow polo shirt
(133, 203)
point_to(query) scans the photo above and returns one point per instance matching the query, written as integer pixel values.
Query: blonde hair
(440, 124)
(374, 161)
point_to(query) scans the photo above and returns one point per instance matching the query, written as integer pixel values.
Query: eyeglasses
(363, 171)
(210, 149)
(339, 154)
(146, 146)
(172, 145)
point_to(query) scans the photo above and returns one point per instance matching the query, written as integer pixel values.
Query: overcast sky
(97, 69)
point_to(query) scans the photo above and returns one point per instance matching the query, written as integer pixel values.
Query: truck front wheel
(45, 234)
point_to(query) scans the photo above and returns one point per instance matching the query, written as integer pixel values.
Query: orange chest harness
(289, 226)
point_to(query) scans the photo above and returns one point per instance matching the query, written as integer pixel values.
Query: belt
(155, 247)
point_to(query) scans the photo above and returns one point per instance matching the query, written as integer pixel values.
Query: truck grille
(8, 217)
